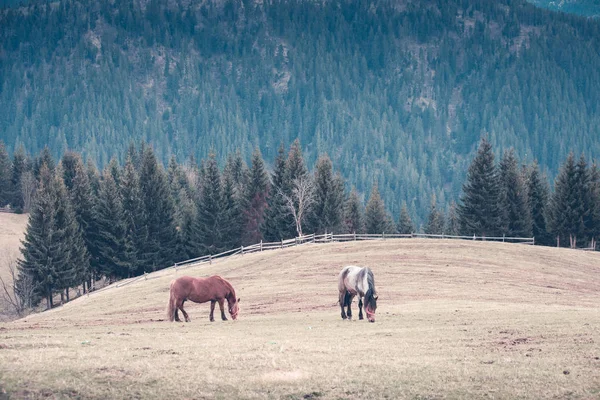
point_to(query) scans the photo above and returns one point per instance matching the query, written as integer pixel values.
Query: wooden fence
(324, 238)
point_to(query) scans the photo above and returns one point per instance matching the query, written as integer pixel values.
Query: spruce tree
(233, 218)
(68, 164)
(111, 230)
(255, 200)
(516, 217)
(76, 264)
(5, 176)
(276, 216)
(136, 230)
(593, 221)
(19, 168)
(452, 224)
(159, 213)
(584, 196)
(84, 207)
(327, 212)
(479, 211)
(209, 228)
(538, 194)
(435, 220)
(237, 171)
(354, 221)
(377, 220)
(563, 211)
(405, 224)
(44, 246)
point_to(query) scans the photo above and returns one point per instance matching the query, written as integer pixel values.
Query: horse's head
(234, 307)
(370, 305)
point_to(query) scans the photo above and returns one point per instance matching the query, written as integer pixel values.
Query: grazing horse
(358, 281)
(200, 290)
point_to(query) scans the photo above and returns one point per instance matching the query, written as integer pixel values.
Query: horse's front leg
(360, 307)
(342, 299)
(223, 317)
(212, 311)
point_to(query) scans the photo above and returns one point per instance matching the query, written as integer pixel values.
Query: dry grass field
(456, 319)
(12, 230)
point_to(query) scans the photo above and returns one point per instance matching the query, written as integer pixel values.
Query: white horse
(358, 281)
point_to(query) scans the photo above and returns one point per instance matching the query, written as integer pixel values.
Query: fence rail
(300, 240)
(7, 210)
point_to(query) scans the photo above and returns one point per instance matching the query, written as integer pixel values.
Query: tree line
(140, 217)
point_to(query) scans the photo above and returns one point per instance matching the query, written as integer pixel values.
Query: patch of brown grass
(456, 319)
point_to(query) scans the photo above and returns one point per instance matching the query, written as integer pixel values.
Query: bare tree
(17, 291)
(28, 188)
(301, 200)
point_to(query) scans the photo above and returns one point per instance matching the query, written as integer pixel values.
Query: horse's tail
(172, 303)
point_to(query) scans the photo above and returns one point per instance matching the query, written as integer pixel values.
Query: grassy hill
(456, 319)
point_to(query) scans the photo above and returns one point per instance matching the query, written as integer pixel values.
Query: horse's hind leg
(177, 315)
(212, 311)
(349, 298)
(185, 315)
(343, 303)
(360, 307)
(223, 317)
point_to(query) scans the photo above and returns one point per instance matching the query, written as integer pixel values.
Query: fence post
(145, 276)
(383, 235)
(473, 236)
(354, 235)
(281, 244)
(210, 258)
(503, 235)
(295, 241)
(533, 240)
(242, 250)
(261, 245)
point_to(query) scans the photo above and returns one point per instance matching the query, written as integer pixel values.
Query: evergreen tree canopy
(538, 195)
(516, 218)
(255, 200)
(354, 219)
(435, 221)
(479, 211)
(327, 212)
(405, 224)
(377, 220)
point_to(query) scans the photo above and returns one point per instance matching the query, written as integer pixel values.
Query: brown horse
(200, 290)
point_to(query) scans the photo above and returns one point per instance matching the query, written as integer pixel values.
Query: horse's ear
(238, 300)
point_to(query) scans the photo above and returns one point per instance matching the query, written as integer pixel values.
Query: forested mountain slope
(589, 8)
(397, 92)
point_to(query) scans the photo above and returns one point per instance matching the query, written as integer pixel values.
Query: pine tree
(563, 219)
(327, 212)
(479, 211)
(5, 176)
(377, 220)
(136, 230)
(111, 230)
(237, 171)
(405, 224)
(514, 206)
(209, 227)
(353, 214)
(435, 220)
(159, 213)
(43, 248)
(452, 225)
(19, 167)
(538, 194)
(255, 200)
(276, 216)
